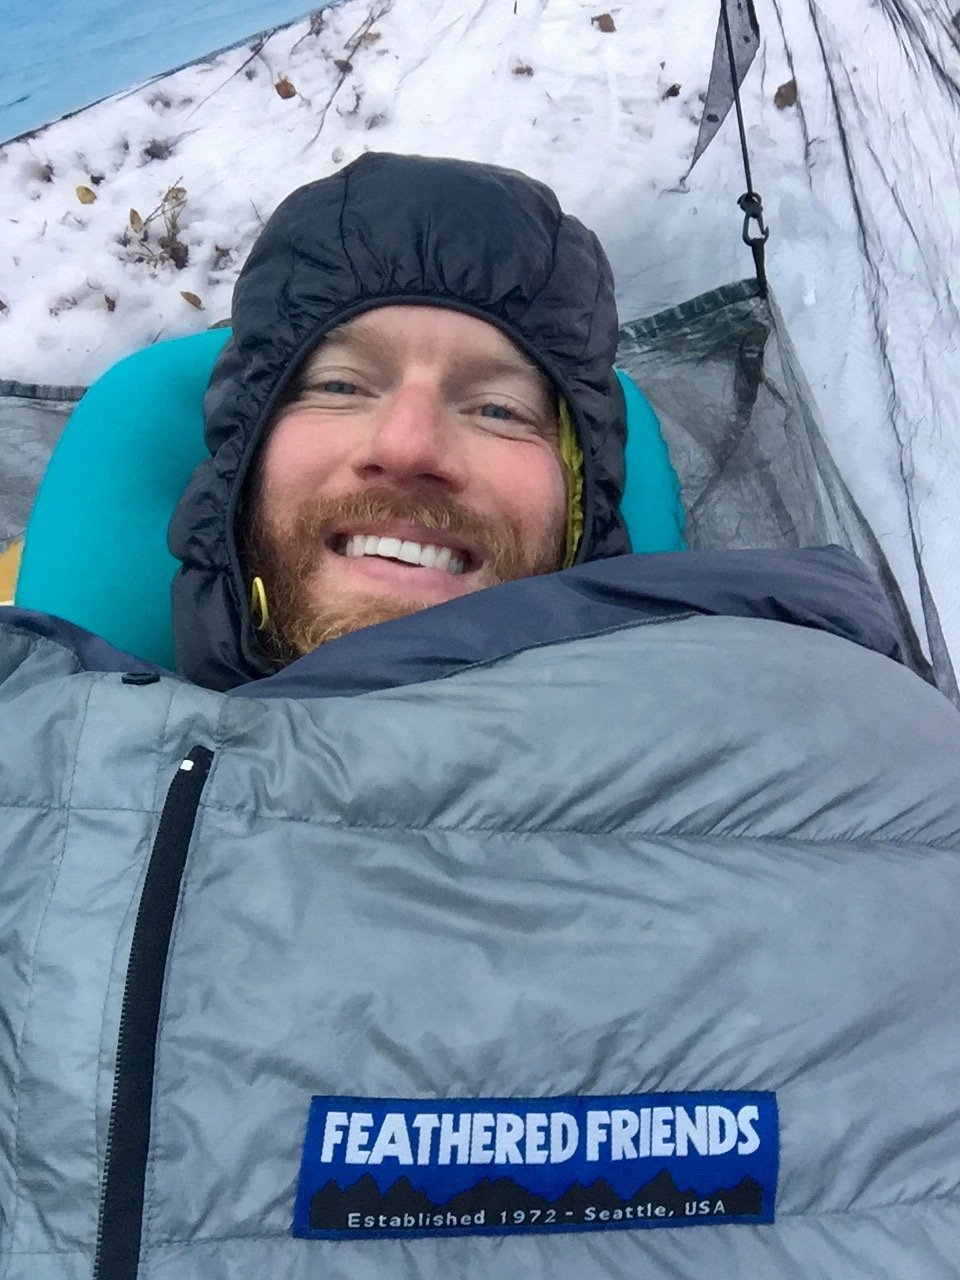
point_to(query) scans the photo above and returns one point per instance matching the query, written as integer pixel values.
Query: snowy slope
(859, 178)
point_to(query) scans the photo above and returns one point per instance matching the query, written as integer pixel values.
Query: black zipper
(128, 1136)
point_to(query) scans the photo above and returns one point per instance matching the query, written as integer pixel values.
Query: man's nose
(413, 439)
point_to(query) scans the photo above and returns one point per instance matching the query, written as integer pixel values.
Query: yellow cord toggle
(259, 609)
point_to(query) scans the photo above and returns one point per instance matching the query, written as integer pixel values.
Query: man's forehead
(390, 332)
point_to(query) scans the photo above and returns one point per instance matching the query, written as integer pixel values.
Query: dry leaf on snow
(786, 95)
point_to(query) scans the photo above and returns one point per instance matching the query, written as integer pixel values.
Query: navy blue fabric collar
(91, 651)
(825, 588)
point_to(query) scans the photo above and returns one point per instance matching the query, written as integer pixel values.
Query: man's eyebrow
(476, 367)
(350, 341)
(373, 345)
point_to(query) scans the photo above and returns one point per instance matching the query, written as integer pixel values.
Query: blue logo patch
(380, 1167)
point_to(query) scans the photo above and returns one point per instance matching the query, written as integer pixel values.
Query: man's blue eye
(337, 388)
(499, 411)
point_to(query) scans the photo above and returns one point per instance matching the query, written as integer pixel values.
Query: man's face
(415, 461)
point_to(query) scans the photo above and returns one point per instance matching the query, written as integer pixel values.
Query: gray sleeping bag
(686, 876)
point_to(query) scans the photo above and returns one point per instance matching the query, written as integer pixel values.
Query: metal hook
(752, 206)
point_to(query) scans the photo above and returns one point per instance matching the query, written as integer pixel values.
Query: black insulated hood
(393, 229)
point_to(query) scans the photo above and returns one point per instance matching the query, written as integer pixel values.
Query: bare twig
(255, 53)
(171, 247)
(346, 63)
(356, 40)
(316, 26)
(164, 202)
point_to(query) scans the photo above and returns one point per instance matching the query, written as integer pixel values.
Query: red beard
(289, 559)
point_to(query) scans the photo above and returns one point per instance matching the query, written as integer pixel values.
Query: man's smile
(405, 557)
(428, 555)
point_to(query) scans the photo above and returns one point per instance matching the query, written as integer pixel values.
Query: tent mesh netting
(744, 436)
(31, 419)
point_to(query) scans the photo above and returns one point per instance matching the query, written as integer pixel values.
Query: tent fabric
(859, 181)
(888, 109)
(60, 57)
(858, 175)
(745, 437)
(745, 39)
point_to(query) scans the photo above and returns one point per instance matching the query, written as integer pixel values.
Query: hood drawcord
(259, 608)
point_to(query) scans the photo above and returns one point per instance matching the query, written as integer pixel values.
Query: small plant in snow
(138, 236)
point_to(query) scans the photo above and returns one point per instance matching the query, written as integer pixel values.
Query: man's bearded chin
(303, 614)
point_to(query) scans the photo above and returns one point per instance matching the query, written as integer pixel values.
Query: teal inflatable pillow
(652, 505)
(95, 550)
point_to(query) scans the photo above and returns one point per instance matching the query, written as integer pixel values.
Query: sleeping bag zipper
(128, 1135)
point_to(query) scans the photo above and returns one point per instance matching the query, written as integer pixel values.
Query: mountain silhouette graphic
(332, 1206)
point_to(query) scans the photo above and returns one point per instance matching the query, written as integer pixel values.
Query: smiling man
(418, 401)
(473, 886)
(414, 460)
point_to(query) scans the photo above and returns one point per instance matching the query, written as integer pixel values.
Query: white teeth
(407, 551)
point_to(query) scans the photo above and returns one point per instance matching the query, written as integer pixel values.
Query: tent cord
(750, 202)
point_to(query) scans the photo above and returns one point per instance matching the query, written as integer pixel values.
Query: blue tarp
(59, 56)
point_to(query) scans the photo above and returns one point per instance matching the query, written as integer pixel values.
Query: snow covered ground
(128, 222)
